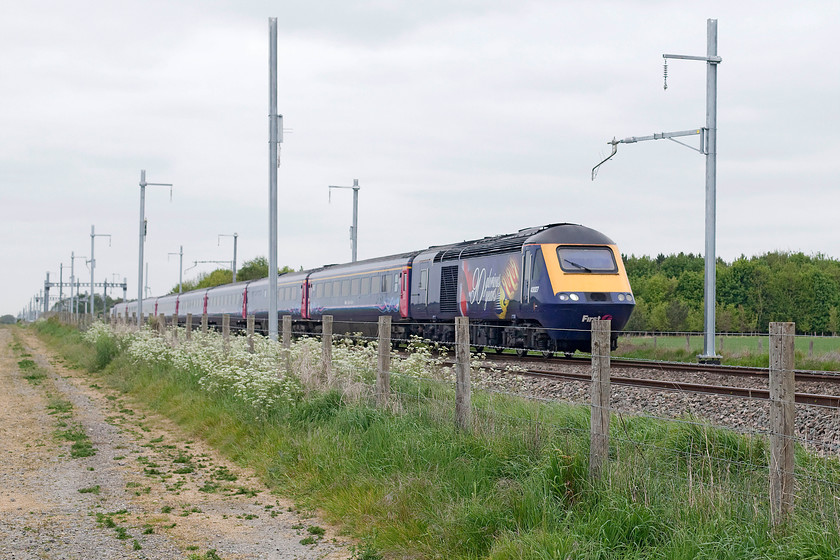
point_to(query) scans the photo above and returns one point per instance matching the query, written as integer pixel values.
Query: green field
(812, 352)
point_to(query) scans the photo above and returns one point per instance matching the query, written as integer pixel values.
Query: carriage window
(328, 289)
(355, 286)
(345, 287)
(397, 283)
(365, 285)
(319, 290)
(384, 283)
(587, 260)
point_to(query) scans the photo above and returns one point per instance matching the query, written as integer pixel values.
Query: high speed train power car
(537, 289)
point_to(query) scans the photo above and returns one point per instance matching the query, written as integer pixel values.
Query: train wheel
(479, 348)
(547, 354)
(521, 352)
(498, 349)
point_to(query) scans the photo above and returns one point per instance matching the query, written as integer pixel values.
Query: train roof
(561, 233)
(574, 234)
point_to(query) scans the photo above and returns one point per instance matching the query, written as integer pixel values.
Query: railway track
(671, 385)
(744, 371)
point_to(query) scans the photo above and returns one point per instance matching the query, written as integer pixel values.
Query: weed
(308, 540)
(59, 406)
(209, 487)
(27, 365)
(166, 509)
(222, 473)
(90, 490)
(315, 530)
(82, 446)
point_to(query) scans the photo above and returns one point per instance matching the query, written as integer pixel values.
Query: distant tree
(8, 320)
(253, 270)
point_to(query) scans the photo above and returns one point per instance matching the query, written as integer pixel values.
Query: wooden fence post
(204, 323)
(287, 341)
(782, 417)
(463, 399)
(174, 329)
(250, 333)
(599, 444)
(226, 331)
(383, 371)
(287, 331)
(133, 317)
(161, 324)
(326, 343)
(189, 326)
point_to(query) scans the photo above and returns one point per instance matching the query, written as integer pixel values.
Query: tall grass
(516, 486)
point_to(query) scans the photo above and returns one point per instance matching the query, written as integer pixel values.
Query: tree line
(254, 269)
(751, 293)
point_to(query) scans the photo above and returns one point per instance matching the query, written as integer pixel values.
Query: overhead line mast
(708, 147)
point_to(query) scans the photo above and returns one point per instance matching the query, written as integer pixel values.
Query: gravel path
(146, 491)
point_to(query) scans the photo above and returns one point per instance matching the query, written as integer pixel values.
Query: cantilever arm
(614, 143)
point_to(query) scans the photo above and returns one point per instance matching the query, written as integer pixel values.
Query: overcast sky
(459, 118)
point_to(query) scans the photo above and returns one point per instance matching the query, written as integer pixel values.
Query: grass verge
(517, 487)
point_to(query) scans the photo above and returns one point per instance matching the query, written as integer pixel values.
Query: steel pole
(272, 178)
(72, 281)
(235, 239)
(142, 240)
(92, 265)
(181, 271)
(709, 353)
(355, 217)
(47, 291)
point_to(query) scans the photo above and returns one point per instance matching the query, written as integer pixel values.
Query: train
(537, 289)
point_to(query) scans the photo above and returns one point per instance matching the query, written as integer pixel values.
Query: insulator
(665, 73)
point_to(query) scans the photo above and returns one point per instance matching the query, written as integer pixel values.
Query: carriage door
(304, 298)
(527, 266)
(420, 291)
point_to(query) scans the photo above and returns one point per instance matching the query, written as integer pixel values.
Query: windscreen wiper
(578, 265)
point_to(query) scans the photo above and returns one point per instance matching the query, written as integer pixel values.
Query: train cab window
(355, 286)
(345, 288)
(587, 260)
(365, 285)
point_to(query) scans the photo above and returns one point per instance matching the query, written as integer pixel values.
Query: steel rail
(745, 371)
(745, 392)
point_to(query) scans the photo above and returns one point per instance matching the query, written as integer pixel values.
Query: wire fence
(773, 455)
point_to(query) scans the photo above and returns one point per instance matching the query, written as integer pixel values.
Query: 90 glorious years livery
(535, 289)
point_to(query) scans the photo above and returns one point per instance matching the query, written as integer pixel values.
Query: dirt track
(146, 492)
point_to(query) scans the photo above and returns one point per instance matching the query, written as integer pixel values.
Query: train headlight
(574, 297)
(630, 297)
(620, 297)
(564, 297)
